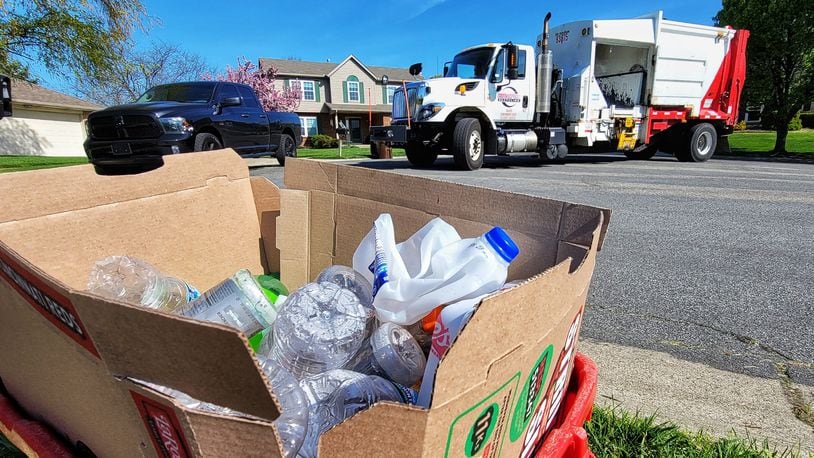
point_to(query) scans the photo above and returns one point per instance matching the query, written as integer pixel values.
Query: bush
(769, 122)
(320, 141)
(807, 119)
(740, 126)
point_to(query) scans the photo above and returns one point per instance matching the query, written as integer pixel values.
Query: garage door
(42, 133)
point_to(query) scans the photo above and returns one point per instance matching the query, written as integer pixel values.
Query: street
(709, 262)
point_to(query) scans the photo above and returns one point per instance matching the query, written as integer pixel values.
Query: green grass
(18, 163)
(746, 142)
(616, 433)
(351, 152)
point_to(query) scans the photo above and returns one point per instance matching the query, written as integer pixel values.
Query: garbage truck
(637, 85)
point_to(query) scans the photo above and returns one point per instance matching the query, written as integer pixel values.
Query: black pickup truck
(185, 117)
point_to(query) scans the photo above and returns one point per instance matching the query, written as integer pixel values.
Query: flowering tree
(272, 98)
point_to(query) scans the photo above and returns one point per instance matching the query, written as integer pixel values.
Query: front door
(511, 100)
(354, 130)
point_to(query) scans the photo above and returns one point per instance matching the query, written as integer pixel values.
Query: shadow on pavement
(497, 162)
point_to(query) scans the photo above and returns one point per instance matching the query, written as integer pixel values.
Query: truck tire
(702, 139)
(562, 152)
(287, 148)
(467, 144)
(207, 142)
(419, 155)
(644, 154)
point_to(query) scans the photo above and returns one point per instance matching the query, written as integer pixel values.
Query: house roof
(32, 94)
(323, 69)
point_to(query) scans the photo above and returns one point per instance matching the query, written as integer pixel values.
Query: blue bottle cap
(502, 243)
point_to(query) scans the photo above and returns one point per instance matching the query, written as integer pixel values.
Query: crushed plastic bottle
(393, 353)
(238, 301)
(135, 281)
(350, 279)
(320, 327)
(336, 395)
(292, 424)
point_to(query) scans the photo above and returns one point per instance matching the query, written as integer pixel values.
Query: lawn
(348, 152)
(616, 433)
(801, 141)
(18, 163)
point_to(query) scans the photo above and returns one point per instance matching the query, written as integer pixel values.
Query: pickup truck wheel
(419, 155)
(207, 142)
(467, 144)
(287, 148)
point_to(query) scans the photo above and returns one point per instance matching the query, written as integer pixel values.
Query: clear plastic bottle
(292, 424)
(393, 353)
(321, 326)
(238, 301)
(338, 394)
(135, 281)
(350, 279)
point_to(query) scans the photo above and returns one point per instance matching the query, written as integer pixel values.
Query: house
(348, 93)
(44, 123)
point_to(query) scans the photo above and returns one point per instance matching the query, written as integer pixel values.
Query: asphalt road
(710, 262)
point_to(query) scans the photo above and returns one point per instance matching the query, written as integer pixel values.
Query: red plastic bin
(569, 438)
(31, 437)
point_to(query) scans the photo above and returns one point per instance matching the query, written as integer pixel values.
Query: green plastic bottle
(276, 292)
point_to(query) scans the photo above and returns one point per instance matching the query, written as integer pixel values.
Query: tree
(780, 56)
(272, 98)
(139, 71)
(67, 37)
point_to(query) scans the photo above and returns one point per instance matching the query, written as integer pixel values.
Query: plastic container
(135, 281)
(411, 280)
(392, 353)
(238, 301)
(321, 326)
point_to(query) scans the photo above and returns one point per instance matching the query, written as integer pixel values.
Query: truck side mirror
(512, 61)
(446, 68)
(5, 92)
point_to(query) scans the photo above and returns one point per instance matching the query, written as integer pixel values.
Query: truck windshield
(471, 64)
(187, 93)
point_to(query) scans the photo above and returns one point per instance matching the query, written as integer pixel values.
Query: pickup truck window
(184, 92)
(249, 99)
(226, 91)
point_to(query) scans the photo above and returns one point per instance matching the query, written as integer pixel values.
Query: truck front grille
(124, 127)
(399, 105)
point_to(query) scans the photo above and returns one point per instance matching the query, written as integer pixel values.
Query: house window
(390, 91)
(308, 90)
(353, 91)
(308, 126)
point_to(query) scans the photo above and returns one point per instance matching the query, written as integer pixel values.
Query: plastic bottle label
(225, 304)
(379, 267)
(192, 292)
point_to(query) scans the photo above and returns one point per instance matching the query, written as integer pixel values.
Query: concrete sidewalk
(698, 397)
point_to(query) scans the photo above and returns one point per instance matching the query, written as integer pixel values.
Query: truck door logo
(509, 97)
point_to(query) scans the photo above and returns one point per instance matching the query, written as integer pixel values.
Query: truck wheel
(207, 142)
(419, 155)
(549, 154)
(467, 144)
(287, 148)
(562, 152)
(701, 143)
(642, 155)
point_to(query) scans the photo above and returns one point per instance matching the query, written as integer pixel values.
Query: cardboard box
(74, 359)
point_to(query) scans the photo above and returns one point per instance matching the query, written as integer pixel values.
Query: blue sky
(385, 33)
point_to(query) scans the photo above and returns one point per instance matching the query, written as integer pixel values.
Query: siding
(32, 132)
(341, 74)
(307, 106)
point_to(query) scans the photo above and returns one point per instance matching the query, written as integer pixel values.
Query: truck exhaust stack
(545, 67)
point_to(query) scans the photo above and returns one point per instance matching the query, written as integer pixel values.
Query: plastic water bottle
(273, 288)
(336, 395)
(238, 302)
(393, 353)
(320, 327)
(135, 281)
(350, 279)
(292, 423)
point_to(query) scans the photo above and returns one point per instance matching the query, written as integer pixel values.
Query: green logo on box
(530, 396)
(481, 430)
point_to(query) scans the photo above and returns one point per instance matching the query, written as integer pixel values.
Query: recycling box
(78, 362)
